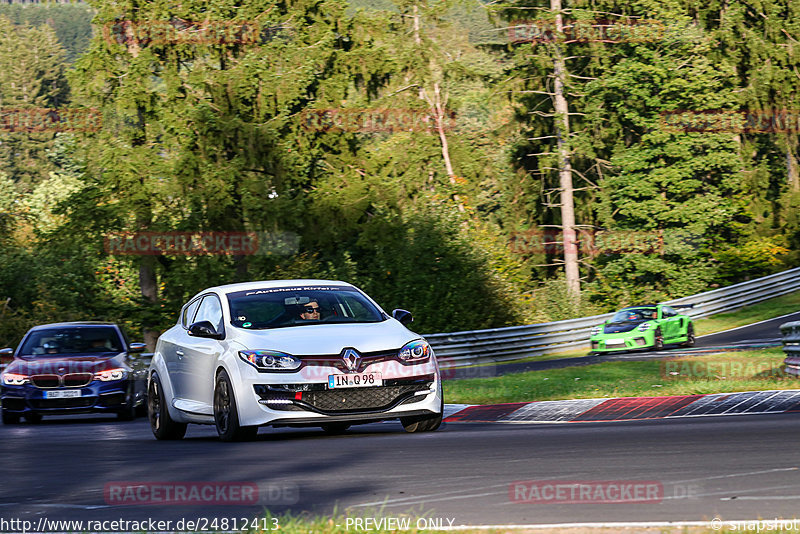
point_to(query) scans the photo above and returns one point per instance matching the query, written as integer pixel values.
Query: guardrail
(457, 349)
(791, 346)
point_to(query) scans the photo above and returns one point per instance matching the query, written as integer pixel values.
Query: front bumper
(94, 397)
(303, 398)
(633, 340)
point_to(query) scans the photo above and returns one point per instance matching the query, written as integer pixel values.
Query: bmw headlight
(270, 360)
(109, 375)
(14, 379)
(644, 327)
(415, 351)
(595, 330)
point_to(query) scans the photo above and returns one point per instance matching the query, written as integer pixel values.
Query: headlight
(415, 351)
(13, 379)
(110, 374)
(643, 327)
(270, 360)
(595, 330)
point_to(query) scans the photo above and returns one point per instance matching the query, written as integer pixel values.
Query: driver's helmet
(632, 316)
(50, 346)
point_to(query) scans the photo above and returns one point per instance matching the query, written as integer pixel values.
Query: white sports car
(290, 353)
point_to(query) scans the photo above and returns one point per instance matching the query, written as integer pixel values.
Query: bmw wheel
(10, 418)
(33, 417)
(162, 425)
(128, 412)
(226, 416)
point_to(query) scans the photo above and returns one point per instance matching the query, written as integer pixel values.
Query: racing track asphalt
(764, 333)
(736, 467)
(739, 467)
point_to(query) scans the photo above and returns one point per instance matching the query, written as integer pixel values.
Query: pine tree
(32, 78)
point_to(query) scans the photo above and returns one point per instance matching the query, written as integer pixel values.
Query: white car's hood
(326, 338)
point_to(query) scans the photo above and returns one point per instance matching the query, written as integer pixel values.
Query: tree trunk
(564, 166)
(149, 286)
(792, 174)
(438, 109)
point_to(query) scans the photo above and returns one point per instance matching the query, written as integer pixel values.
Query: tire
(226, 415)
(424, 423)
(689, 336)
(658, 340)
(10, 418)
(128, 413)
(33, 418)
(162, 425)
(335, 428)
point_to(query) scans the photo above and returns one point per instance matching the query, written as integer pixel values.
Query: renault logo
(351, 359)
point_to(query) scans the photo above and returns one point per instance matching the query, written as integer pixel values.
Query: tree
(31, 77)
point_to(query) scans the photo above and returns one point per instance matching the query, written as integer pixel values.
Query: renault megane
(290, 353)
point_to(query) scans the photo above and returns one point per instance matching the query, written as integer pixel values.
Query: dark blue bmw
(67, 368)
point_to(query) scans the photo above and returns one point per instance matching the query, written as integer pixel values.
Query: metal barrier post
(791, 346)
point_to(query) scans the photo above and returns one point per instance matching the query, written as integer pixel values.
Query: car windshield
(72, 340)
(635, 315)
(300, 306)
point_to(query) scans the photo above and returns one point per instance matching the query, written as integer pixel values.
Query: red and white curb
(628, 408)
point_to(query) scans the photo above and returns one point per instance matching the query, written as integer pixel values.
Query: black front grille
(356, 399)
(46, 381)
(79, 402)
(77, 380)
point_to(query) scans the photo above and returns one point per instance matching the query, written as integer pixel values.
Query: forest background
(406, 146)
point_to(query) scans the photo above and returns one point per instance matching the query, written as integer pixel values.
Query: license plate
(615, 342)
(62, 394)
(360, 380)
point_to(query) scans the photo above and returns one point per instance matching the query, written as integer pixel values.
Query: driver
(50, 347)
(310, 311)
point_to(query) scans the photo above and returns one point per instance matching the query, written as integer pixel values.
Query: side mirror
(136, 347)
(404, 316)
(6, 352)
(204, 329)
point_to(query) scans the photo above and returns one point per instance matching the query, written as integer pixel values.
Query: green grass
(733, 371)
(750, 314)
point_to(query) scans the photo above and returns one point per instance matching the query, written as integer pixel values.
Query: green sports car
(648, 326)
